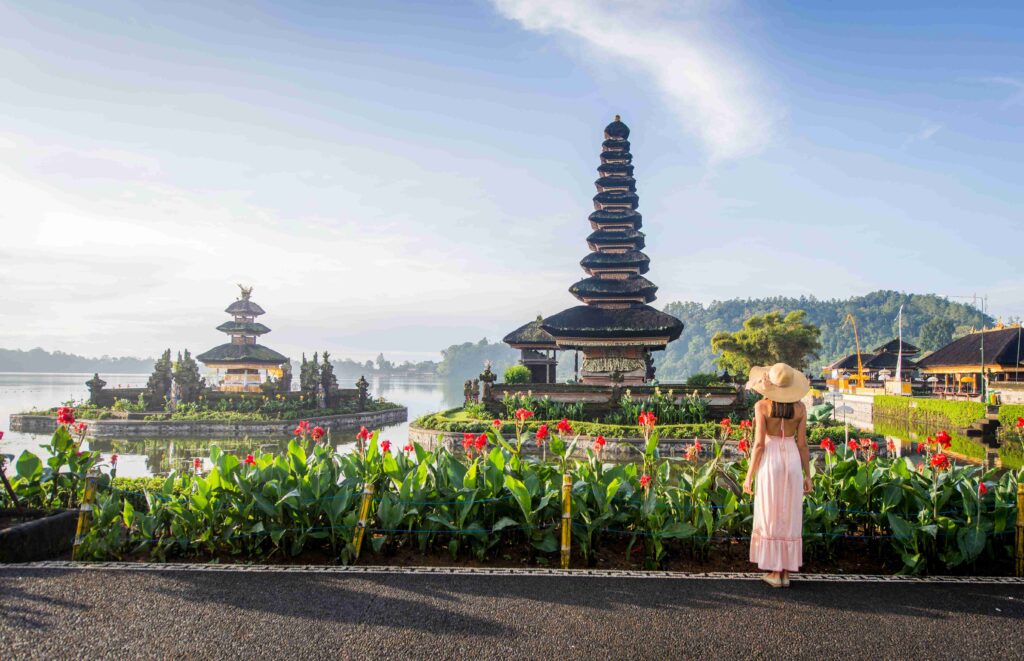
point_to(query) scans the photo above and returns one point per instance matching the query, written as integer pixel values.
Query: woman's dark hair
(781, 410)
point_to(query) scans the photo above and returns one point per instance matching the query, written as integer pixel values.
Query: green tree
(518, 374)
(309, 376)
(768, 339)
(158, 387)
(186, 376)
(936, 333)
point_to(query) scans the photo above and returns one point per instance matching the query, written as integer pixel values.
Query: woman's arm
(801, 444)
(758, 451)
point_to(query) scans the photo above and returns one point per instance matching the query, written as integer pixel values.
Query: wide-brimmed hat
(779, 383)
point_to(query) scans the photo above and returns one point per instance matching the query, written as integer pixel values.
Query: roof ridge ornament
(246, 291)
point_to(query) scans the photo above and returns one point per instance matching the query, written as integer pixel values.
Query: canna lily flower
(364, 434)
(542, 434)
(940, 461)
(81, 427)
(408, 448)
(726, 422)
(468, 440)
(317, 433)
(385, 446)
(197, 464)
(943, 439)
(827, 445)
(646, 420)
(693, 451)
(65, 415)
(743, 446)
(874, 446)
(982, 489)
(599, 442)
(481, 442)
(1, 436)
(303, 428)
(564, 427)
(1020, 423)
(250, 460)
(890, 446)
(497, 423)
(921, 448)
(523, 415)
(852, 444)
(645, 481)
(113, 460)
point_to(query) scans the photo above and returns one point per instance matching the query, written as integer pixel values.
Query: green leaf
(504, 522)
(29, 467)
(652, 445)
(128, 514)
(548, 544)
(522, 496)
(557, 445)
(892, 495)
(901, 529)
(971, 542)
(497, 459)
(678, 530)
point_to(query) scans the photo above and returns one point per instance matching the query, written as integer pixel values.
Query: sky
(401, 176)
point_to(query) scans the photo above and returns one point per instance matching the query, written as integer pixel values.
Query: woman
(779, 461)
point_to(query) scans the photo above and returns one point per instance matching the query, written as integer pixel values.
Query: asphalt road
(76, 614)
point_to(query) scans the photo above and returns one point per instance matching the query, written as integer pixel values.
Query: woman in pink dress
(781, 466)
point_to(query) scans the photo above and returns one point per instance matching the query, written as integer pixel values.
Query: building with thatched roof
(959, 367)
(242, 365)
(538, 350)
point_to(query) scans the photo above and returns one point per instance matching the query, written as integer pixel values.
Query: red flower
(497, 424)
(364, 434)
(65, 415)
(874, 446)
(113, 459)
(852, 444)
(81, 427)
(197, 463)
(317, 433)
(481, 442)
(645, 481)
(940, 461)
(920, 448)
(743, 446)
(408, 448)
(943, 439)
(599, 442)
(890, 445)
(726, 422)
(467, 441)
(1020, 424)
(564, 427)
(746, 424)
(385, 446)
(646, 420)
(302, 428)
(542, 434)
(982, 489)
(693, 451)
(1, 436)
(827, 445)
(250, 460)
(522, 415)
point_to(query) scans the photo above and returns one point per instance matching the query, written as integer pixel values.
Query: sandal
(773, 582)
(785, 580)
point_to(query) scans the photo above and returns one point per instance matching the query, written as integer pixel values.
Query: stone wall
(40, 424)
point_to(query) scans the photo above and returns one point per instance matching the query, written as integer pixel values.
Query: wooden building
(956, 369)
(615, 328)
(242, 365)
(538, 350)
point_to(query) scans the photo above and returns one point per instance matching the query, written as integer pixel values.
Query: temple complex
(242, 365)
(538, 350)
(615, 328)
(992, 354)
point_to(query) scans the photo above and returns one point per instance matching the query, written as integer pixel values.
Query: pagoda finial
(246, 292)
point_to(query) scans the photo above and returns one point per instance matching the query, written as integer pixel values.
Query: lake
(22, 391)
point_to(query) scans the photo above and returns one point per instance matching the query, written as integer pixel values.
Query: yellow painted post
(364, 514)
(566, 519)
(1020, 530)
(84, 514)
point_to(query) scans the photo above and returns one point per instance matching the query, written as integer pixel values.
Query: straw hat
(779, 383)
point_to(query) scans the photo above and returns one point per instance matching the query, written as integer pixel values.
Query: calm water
(23, 391)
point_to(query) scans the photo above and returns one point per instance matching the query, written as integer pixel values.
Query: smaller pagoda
(538, 350)
(242, 365)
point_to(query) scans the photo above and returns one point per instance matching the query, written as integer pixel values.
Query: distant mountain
(39, 360)
(929, 322)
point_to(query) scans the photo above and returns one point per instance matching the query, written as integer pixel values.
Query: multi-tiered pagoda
(242, 364)
(616, 329)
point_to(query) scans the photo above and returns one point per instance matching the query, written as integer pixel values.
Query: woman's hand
(808, 484)
(748, 487)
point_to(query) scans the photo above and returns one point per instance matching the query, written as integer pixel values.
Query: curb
(498, 571)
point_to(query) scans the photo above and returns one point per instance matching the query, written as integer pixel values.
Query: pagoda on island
(242, 365)
(615, 329)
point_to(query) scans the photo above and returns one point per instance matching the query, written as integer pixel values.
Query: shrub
(702, 379)
(518, 374)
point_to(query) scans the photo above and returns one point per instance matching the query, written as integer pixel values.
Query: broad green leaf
(971, 542)
(28, 467)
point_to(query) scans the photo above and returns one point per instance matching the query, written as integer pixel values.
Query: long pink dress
(777, 542)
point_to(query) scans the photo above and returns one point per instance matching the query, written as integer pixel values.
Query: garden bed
(33, 534)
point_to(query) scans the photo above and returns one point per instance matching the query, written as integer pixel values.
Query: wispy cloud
(924, 134)
(678, 46)
(1016, 84)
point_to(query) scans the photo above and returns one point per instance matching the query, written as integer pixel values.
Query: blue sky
(401, 176)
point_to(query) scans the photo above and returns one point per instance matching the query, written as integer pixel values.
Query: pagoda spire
(616, 264)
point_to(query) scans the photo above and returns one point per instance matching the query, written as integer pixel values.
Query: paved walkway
(65, 612)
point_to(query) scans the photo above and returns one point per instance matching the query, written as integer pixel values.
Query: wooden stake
(364, 513)
(566, 519)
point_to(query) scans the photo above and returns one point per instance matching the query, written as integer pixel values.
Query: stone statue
(486, 379)
(95, 385)
(467, 391)
(363, 386)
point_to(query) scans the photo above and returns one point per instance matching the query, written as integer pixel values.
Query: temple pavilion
(615, 328)
(957, 368)
(242, 365)
(538, 350)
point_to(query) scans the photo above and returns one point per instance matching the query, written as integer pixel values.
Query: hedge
(917, 410)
